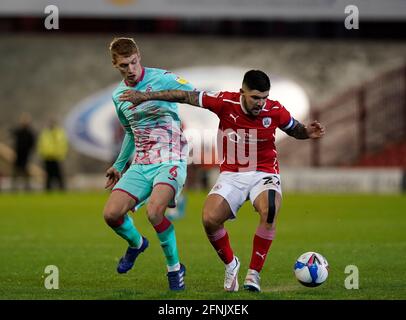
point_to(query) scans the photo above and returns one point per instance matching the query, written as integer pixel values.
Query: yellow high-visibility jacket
(53, 144)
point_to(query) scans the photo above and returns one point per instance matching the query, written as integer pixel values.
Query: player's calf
(118, 204)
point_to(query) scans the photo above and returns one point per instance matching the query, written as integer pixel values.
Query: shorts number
(270, 179)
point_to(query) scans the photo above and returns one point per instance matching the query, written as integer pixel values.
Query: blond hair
(124, 47)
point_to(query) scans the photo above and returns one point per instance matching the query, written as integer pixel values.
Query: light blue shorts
(139, 180)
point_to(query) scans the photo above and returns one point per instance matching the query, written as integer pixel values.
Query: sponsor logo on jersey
(266, 122)
(234, 137)
(234, 117)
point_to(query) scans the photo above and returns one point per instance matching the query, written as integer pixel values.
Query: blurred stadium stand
(276, 18)
(366, 126)
(224, 27)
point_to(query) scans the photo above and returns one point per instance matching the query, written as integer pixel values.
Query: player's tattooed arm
(300, 131)
(137, 97)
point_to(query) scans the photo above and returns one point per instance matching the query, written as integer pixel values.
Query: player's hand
(112, 177)
(133, 96)
(315, 130)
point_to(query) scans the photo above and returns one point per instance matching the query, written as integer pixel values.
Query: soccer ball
(311, 269)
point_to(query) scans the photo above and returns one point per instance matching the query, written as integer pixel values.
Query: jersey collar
(139, 79)
(245, 110)
(242, 106)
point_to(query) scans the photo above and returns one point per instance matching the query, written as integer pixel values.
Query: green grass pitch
(68, 231)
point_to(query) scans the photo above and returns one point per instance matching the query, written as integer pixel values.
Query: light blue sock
(167, 239)
(128, 232)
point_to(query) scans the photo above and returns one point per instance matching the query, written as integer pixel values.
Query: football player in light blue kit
(158, 171)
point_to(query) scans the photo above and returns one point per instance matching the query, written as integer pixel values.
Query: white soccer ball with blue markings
(311, 269)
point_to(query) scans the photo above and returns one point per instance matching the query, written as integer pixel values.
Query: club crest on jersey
(149, 88)
(266, 122)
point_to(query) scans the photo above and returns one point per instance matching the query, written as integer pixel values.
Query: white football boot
(231, 275)
(252, 280)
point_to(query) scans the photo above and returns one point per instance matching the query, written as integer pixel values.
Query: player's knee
(267, 226)
(112, 215)
(268, 214)
(112, 218)
(209, 220)
(155, 218)
(269, 210)
(154, 208)
(155, 212)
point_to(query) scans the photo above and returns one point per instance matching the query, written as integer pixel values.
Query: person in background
(53, 148)
(24, 141)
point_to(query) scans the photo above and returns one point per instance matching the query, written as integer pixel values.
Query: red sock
(115, 223)
(220, 242)
(262, 242)
(163, 225)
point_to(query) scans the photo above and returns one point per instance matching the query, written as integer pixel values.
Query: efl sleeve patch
(181, 80)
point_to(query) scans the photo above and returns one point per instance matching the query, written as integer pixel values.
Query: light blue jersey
(153, 131)
(153, 128)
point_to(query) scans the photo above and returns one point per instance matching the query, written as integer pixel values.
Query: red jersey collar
(242, 105)
(245, 110)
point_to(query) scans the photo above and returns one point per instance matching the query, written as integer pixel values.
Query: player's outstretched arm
(137, 97)
(313, 131)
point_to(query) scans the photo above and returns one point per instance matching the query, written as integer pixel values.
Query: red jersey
(246, 142)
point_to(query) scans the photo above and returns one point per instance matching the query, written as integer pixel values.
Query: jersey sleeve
(171, 81)
(286, 121)
(212, 101)
(120, 105)
(127, 146)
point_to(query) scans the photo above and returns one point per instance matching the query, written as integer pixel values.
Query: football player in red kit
(249, 168)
